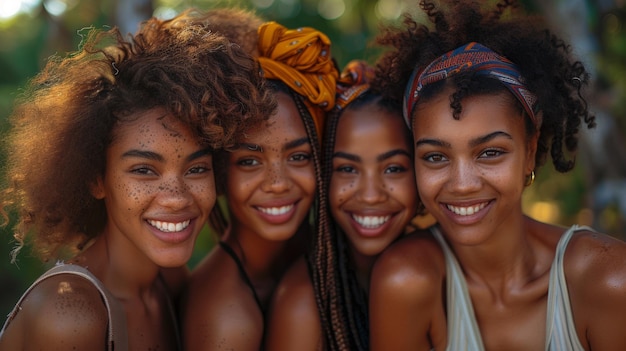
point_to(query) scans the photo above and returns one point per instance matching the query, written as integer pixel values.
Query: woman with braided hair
(487, 98)
(269, 180)
(110, 170)
(370, 185)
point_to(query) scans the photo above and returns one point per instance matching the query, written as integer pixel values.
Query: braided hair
(342, 302)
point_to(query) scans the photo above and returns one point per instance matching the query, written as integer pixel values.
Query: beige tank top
(463, 331)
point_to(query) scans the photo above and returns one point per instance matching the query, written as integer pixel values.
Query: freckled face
(158, 188)
(372, 189)
(470, 172)
(271, 180)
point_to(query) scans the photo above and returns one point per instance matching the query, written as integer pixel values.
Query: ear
(531, 152)
(97, 188)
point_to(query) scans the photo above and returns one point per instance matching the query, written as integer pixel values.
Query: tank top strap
(463, 331)
(560, 328)
(117, 333)
(242, 271)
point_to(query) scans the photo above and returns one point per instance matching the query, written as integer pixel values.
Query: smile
(169, 227)
(466, 211)
(370, 222)
(276, 211)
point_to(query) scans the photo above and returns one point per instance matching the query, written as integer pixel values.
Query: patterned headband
(472, 57)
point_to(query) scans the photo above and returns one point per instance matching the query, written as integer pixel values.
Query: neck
(123, 269)
(362, 268)
(263, 260)
(505, 258)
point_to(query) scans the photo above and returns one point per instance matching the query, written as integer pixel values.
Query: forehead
(480, 114)
(150, 125)
(284, 126)
(371, 126)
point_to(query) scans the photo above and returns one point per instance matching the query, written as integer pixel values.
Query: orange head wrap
(301, 59)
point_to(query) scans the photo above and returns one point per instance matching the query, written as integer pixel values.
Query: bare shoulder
(293, 319)
(62, 312)
(407, 311)
(595, 270)
(596, 256)
(412, 263)
(295, 288)
(219, 310)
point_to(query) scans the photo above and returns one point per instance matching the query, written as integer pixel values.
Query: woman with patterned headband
(487, 98)
(370, 186)
(269, 180)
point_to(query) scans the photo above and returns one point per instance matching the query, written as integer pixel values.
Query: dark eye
(491, 153)
(395, 169)
(345, 169)
(434, 158)
(300, 157)
(248, 162)
(198, 170)
(142, 170)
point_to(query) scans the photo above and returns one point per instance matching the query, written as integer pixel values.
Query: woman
(488, 99)
(370, 185)
(110, 169)
(270, 181)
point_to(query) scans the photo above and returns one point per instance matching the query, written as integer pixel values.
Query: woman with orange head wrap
(321, 303)
(269, 180)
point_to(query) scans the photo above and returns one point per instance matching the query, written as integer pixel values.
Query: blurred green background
(593, 194)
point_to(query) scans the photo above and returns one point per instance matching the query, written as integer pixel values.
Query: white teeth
(169, 227)
(466, 211)
(276, 211)
(371, 222)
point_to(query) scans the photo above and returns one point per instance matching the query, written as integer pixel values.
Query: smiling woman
(489, 96)
(269, 179)
(110, 169)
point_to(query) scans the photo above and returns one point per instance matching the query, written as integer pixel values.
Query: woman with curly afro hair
(110, 171)
(488, 96)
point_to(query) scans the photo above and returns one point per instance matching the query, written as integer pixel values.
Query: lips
(370, 222)
(276, 211)
(169, 227)
(467, 210)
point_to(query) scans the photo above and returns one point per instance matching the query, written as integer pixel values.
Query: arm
(293, 321)
(406, 306)
(61, 313)
(595, 270)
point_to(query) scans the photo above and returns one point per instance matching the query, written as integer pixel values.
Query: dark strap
(242, 271)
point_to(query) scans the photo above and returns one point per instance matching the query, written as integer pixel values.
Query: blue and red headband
(471, 57)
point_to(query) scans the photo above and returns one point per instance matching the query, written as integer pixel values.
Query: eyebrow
(295, 143)
(392, 153)
(290, 145)
(381, 157)
(150, 155)
(472, 143)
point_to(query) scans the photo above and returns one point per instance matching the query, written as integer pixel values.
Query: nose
(175, 194)
(372, 189)
(276, 179)
(464, 178)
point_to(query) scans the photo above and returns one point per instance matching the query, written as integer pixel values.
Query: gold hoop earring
(530, 179)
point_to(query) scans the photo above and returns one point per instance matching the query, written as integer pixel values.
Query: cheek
(341, 191)
(204, 191)
(306, 179)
